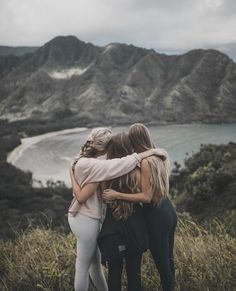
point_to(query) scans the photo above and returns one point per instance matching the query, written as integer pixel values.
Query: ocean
(48, 156)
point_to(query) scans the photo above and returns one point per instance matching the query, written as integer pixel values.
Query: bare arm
(145, 196)
(100, 170)
(96, 170)
(82, 194)
(159, 152)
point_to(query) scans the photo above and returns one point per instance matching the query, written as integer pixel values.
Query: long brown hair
(120, 146)
(159, 181)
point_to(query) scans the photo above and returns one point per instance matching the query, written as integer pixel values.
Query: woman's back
(124, 220)
(124, 235)
(160, 213)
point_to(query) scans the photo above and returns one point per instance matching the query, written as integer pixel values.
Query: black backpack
(120, 237)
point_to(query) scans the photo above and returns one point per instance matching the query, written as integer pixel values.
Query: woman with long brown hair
(159, 213)
(123, 236)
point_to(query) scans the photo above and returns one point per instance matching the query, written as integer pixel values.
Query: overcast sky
(159, 24)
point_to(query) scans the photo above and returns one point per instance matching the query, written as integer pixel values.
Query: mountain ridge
(6, 50)
(119, 82)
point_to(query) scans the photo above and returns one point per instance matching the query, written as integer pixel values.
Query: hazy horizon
(163, 25)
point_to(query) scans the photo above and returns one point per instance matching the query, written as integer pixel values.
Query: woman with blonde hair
(159, 213)
(84, 216)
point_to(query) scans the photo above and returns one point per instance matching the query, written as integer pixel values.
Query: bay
(48, 156)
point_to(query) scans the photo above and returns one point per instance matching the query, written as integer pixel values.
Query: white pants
(88, 260)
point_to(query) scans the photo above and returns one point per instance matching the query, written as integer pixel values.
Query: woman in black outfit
(123, 236)
(160, 215)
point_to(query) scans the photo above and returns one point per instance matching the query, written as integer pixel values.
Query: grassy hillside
(41, 253)
(43, 259)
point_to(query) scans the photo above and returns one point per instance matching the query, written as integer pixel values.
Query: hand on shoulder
(161, 153)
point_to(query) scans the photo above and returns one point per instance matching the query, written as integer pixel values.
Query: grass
(43, 259)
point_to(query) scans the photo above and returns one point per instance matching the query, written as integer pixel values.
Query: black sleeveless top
(160, 217)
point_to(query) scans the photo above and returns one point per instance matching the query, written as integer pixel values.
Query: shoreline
(176, 148)
(27, 142)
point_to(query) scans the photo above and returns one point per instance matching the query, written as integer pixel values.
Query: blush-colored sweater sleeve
(90, 170)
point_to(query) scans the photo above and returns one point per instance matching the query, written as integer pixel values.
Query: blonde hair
(140, 137)
(97, 142)
(159, 181)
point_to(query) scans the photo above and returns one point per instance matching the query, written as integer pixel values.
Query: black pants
(133, 270)
(161, 222)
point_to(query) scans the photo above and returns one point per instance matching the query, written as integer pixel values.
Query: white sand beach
(29, 141)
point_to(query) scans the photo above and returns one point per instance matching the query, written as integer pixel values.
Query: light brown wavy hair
(96, 143)
(159, 181)
(120, 146)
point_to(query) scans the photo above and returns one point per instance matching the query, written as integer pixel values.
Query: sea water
(48, 156)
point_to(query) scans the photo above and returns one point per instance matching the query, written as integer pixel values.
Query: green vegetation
(43, 259)
(206, 186)
(22, 205)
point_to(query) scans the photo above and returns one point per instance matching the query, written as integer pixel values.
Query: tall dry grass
(38, 259)
(41, 259)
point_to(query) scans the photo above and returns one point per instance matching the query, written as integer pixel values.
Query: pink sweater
(90, 170)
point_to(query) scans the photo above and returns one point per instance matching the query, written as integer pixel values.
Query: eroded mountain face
(118, 83)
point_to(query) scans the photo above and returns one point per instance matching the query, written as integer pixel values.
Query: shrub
(206, 186)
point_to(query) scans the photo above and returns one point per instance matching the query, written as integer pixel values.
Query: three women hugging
(133, 179)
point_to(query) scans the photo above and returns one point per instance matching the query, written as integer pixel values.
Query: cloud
(158, 24)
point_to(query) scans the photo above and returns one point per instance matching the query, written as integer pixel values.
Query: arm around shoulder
(144, 196)
(82, 194)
